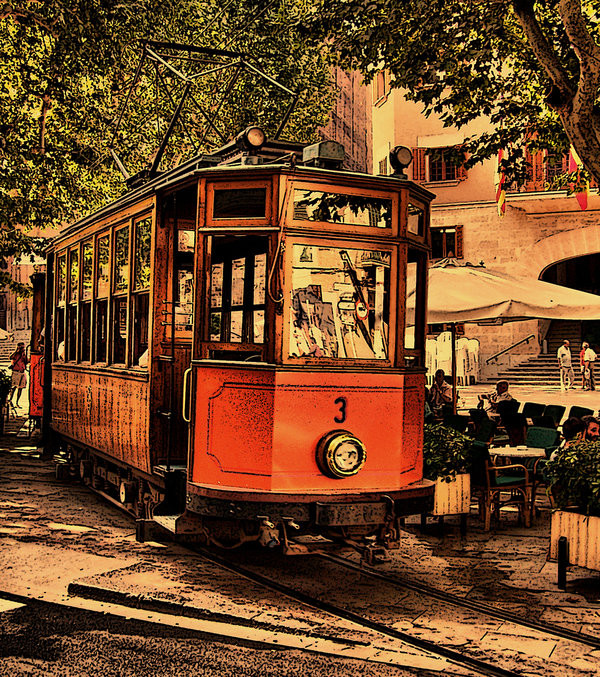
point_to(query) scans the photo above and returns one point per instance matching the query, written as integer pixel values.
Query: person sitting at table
(440, 393)
(591, 432)
(491, 400)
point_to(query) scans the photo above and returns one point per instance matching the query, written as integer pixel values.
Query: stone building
(543, 234)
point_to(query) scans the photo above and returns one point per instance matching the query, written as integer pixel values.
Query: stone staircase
(541, 370)
(7, 348)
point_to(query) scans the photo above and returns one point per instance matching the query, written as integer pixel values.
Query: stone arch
(559, 247)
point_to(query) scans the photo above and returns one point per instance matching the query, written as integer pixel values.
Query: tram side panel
(105, 412)
(259, 429)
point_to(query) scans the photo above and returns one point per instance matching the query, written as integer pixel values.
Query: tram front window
(237, 297)
(340, 305)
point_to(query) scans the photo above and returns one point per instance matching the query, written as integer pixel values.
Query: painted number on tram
(341, 417)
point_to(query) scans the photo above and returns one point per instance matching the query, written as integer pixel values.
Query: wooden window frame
(422, 166)
(117, 296)
(249, 222)
(348, 230)
(99, 298)
(458, 254)
(208, 345)
(323, 241)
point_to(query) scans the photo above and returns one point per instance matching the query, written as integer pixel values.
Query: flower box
(452, 497)
(583, 536)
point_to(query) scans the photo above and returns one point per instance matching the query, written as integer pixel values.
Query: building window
(381, 86)
(446, 243)
(437, 164)
(383, 170)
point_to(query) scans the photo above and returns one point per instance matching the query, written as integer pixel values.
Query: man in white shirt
(567, 375)
(589, 357)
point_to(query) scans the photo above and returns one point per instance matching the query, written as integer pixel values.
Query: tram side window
(414, 330)
(119, 304)
(85, 324)
(141, 285)
(102, 291)
(71, 342)
(237, 296)
(61, 297)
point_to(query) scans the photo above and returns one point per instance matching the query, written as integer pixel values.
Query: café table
(520, 454)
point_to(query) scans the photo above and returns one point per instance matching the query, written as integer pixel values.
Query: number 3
(341, 401)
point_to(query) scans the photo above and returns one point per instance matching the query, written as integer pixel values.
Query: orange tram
(228, 353)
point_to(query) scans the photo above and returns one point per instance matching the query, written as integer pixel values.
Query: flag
(576, 165)
(499, 181)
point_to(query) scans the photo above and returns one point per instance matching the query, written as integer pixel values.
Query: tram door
(174, 311)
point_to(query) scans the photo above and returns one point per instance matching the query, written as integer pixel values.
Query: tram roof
(213, 165)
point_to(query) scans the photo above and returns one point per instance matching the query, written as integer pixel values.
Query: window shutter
(461, 173)
(459, 242)
(418, 165)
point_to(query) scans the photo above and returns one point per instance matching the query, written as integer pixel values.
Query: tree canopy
(529, 67)
(66, 67)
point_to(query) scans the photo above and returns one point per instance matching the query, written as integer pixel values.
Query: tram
(228, 353)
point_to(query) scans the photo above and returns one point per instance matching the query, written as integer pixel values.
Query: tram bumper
(415, 499)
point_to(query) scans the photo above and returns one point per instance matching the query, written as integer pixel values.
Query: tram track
(461, 660)
(472, 605)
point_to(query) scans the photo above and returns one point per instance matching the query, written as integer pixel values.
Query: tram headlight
(252, 138)
(340, 454)
(400, 158)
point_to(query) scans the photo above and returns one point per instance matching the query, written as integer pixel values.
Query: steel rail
(455, 600)
(452, 656)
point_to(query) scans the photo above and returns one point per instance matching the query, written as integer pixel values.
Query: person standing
(581, 364)
(589, 357)
(19, 377)
(567, 375)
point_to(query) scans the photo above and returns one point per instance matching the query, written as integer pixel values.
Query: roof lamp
(251, 139)
(400, 158)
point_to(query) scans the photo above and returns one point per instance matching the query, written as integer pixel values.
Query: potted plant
(573, 475)
(447, 461)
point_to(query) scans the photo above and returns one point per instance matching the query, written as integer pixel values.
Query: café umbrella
(463, 292)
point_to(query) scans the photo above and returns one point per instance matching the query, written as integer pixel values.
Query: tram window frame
(224, 250)
(349, 244)
(120, 307)
(60, 305)
(246, 221)
(413, 356)
(72, 310)
(86, 300)
(140, 294)
(347, 229)
(101, 299)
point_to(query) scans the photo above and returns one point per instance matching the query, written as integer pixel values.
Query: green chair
(556, 411)
(531, 409)
(496, 486)
(579, 412)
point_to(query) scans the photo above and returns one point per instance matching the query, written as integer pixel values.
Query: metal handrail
(514, 345)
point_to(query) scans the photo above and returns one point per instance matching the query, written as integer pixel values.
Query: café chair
(496, 486)
(531, 409)
(556, 411)
(544, 422)
(579, 412)
(547, 439)
(458, 422)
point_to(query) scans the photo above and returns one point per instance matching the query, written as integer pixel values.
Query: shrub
(574, 477)
(5, 385)
(446, 452)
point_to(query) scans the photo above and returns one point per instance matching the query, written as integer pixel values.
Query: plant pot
(454, 497)
(583, 536)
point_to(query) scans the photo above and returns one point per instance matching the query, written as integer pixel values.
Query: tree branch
(544, 53)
